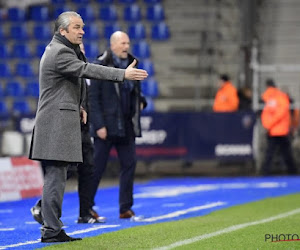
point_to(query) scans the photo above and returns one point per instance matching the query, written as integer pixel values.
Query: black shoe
(90, 219)
(61, 237)
(37, 214)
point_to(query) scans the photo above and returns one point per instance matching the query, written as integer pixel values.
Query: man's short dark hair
(224, 77)
(270, 82)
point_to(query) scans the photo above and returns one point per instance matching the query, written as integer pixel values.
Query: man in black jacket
(115, 119)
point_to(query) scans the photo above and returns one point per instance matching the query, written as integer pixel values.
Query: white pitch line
(228, 230)
(7, 229)
(73, 233)
(182, 212)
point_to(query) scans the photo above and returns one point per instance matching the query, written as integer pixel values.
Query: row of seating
(19, 107)
(43, 32)
(105, 1)
(44, 13)
(31, 88)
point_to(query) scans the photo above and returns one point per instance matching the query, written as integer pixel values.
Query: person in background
(56, 137)
(226, 99)
(85, 172)
(245, 99)
(115, 120)
(276, 119)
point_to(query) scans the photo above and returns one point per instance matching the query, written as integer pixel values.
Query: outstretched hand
(132, 73)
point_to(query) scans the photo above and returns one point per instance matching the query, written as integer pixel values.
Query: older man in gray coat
(56, 139)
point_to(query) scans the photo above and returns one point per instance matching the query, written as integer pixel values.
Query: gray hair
(63, 20)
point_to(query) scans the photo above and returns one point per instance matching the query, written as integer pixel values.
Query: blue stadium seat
(148, 66)
(150, 87)
(152, 1)
(13, 89)
(87, 12)
(39, 49)
(91, 50)
(137, 31)
(4, 112)
(4, 51)
(132, 13)
(58, 10)
(127, 1)
(24, 69)
(5, 70)
(16, 14)
(19, 32)
(32, 89)
(21, 107)
(21, 50)
(92, 31)
(42, 32)
(109, 29)
(155, 13)
(81, 1)
(39, 13)
(150, 106)
(105, 1)
(108, 13)
(58, 1)
(160, 31)
(141, 50)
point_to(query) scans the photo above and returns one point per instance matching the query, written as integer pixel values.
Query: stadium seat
(58, 10)
(160, 31)
(5, 70)
(1, 90)
(3, 109)
(58, 1)
(105, 1)
(150, 87)
(127, 1)
(87, 12)
(109, 29)
(132, 13)
(148, 66)
(92, 31)
(42, 32)
(21, 107)
(32, 89)
(108, 13)
(13, 89)
(39, 49)
(91, 50)
(39, 13)
(24, 70)
(19, 32)
(16, 14)
(137, 31)
(4, 51)
(141, 50)
(155, 13)
(21, 50)
(152, 1)
(150, 106)
(81, 1)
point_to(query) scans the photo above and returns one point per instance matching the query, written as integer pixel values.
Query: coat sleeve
(67, 63)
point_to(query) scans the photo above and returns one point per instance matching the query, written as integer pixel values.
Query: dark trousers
(127, 158)
(284, 145)
(55, 177)
(85, 173)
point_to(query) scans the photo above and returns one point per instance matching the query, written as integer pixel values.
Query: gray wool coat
(56, 134)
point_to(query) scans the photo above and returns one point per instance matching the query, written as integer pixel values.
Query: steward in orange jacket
(276, 116)
(276, 119)
(226, 99)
